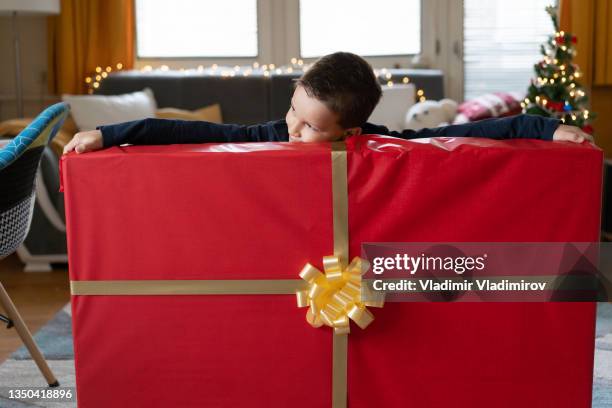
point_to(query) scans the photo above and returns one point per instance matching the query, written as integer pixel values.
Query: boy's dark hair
(346, 84)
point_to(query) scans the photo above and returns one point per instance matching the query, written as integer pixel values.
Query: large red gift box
(261, 211)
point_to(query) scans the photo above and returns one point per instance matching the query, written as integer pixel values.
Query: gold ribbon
(186, 287)
(341, 244)
(333, 297)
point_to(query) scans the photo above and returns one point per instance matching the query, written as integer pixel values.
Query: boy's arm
(164, 131)
(513, 127)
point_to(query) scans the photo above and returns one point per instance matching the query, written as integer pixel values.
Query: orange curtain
(603, 43)
(588, 20)
(88, 34)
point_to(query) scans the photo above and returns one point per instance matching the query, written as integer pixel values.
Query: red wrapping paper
(261, 211)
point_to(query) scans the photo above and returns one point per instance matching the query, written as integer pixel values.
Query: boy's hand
(85, 142)
(571, 134)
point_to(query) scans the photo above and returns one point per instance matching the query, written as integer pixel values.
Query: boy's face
(309, 120)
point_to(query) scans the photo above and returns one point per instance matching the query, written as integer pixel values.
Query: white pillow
(393, 106)
(90, 111)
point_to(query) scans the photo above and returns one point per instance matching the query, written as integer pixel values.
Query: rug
(55, 341)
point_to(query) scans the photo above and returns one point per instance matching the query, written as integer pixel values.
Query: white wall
(33, 44)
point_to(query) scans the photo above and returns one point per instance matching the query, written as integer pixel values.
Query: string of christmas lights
(93, 80)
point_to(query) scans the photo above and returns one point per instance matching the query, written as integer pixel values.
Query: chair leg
(26, 337)
(9, 322)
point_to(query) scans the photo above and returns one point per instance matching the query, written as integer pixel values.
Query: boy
(331, 101)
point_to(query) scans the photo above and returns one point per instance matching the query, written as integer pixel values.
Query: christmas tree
(556, 92)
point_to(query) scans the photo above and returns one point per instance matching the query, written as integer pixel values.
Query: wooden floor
(37, 296)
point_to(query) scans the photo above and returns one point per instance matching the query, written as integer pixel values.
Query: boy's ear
(352, 131)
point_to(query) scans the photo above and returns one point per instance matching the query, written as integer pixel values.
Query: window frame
(278, 40)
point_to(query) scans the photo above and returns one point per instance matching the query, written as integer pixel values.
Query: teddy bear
(429, 114)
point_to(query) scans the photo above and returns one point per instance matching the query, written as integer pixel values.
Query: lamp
(30, 7)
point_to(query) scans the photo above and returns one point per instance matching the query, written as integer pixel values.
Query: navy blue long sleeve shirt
(164, 131)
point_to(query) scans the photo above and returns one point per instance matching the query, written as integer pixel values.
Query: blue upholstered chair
(19, 161)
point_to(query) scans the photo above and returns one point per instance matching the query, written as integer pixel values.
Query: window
(502, 43)
(225, 28)
(384, 27)
(182, 33)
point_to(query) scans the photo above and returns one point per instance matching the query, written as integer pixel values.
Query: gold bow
(335, 297)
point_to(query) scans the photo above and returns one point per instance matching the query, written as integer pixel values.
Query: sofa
(243, 99)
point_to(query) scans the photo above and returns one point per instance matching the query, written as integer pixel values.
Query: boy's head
(333, 99)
